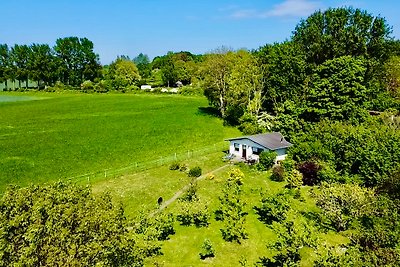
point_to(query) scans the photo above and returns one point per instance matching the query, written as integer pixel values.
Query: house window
(257, 151)
(236, 146)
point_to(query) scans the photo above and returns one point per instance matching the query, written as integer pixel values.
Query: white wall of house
(249, 146)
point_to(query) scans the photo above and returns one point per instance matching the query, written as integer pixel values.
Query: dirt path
(183, 190)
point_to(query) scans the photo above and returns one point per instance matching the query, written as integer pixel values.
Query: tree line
(71, 61)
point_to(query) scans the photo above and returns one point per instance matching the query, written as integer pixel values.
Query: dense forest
(333, 89)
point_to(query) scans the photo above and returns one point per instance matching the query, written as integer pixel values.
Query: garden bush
(278, 174)
(273, 208)
(207, 250)
(309, 170)
(195, 172)
(174, 166)
(266, 160)
(294, 179)
(193, 213)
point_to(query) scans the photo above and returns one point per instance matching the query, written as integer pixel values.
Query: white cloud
(288, 8)
(293, 8)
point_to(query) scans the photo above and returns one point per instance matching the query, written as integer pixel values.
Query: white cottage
(250, 147)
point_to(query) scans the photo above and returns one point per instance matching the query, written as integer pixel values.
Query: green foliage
(122, 74)
(232, 82)
(193, 213)
(195, 172)
(274, 208)
(64, 224)
(87, 86)
(207, 250)
(294, 178)
(325, 34)
(292, 237)
(174, 166)
(337, 90)
(76, 60)
(369, 151)
(232, 208)
(266, 160)
(155, 228)
(343, 204)
(191, 192)
(278, 173)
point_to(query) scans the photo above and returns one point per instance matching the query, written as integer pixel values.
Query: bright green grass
(67, 135)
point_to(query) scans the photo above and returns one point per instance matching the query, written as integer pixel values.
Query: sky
(154, 27)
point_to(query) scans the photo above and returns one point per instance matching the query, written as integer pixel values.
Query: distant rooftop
(272, 141)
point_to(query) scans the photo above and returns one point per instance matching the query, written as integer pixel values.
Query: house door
(244, 151)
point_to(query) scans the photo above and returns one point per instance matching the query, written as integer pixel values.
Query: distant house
(145, 87)
(249, 147)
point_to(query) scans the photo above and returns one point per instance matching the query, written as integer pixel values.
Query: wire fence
(138, 166)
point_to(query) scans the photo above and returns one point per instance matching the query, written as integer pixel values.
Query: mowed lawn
(65, 135)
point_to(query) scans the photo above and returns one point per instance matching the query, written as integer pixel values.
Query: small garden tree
(231, 210)
(266, 160)
(65, 225)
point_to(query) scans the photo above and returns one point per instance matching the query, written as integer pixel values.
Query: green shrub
(174, 166)
(294, 179)
(183, 167)
(191, 193)
(278, 174)
(266, 160)
(87, 86)
(195, 172)
(207, 250)
(273, 208)
(193, 213)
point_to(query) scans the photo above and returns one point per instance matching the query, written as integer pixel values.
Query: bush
(174, 166)
(273, 208)
(191, 193)
(195, 172)
(87, 86)
(309, 170)
(193, 213)
(294, 179)
(207, 250)
(183, 167)
(278, 174)
(266, 160)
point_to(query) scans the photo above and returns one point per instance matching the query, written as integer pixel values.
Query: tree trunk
(6, 83)
(26, 83)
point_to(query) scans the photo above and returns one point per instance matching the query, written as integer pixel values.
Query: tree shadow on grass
(209, 111)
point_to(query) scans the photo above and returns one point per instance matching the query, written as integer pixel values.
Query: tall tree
(142, 62)
(337, 90)
(42, 64)
(122, 74)
(216, 69)
(342, 31)
(20, 57)
(64, 225)
(286, 74)
(78, 62)
(4, 63)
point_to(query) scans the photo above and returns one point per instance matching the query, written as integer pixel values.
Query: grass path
(184, 189)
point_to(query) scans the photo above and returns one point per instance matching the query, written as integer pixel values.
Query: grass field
(67, 135)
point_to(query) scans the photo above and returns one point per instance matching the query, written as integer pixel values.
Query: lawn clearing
(67, 135)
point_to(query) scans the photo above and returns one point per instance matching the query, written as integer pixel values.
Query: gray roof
(272, 141)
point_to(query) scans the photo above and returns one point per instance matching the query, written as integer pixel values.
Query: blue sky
(154, 27)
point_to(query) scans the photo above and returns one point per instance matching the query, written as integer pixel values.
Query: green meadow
(58, 136)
